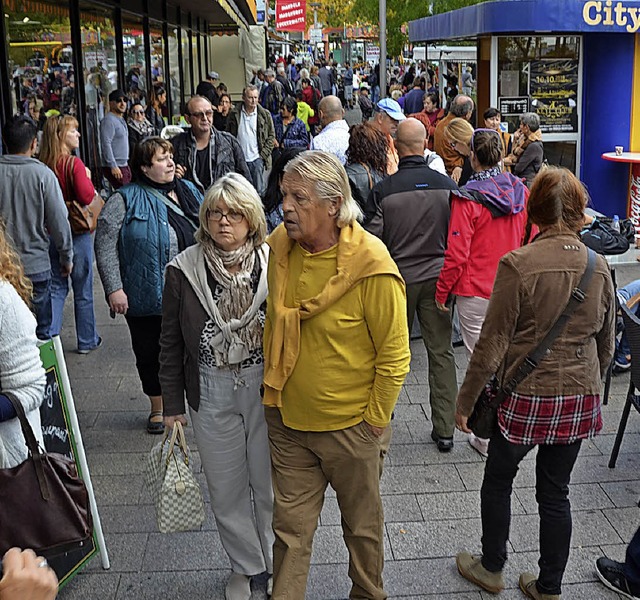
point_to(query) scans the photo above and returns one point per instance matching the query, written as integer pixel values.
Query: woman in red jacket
(60, 138)
(488, 219)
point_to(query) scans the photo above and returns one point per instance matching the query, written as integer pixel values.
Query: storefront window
(157, 53)
(197, 76)
(39, 49)
(186, 61)
(100, 74)
(540, 74)
(174, 74)
(135, 67)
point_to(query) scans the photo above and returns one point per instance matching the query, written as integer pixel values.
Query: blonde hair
(459, 130)
(11, 267)
(52, 146)
(240, 196)
(325, 173)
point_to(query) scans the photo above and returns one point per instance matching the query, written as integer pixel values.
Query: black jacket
(226, 156)
(361, 180)
(529, 162)
(411, 216)
(603, 239)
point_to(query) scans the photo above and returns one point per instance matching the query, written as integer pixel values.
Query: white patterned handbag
(174, 489)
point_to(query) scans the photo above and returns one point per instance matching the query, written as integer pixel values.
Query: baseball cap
(214, 75)
(116, 94)
(392, 108)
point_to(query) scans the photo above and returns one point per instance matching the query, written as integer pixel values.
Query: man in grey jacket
(33, 210)
(411, 216)
(204, 154)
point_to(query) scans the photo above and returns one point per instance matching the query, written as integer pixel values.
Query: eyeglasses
(232, 216)
(473, 137)
(200, 115)
(137, 112)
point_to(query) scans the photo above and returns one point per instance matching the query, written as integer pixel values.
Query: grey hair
(460, 107)
(269, 73)
(531, 120)
(325, 173)
(249, 88)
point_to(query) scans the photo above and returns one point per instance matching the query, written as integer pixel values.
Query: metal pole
(383, 47)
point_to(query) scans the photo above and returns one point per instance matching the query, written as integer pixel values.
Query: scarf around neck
(360, 255)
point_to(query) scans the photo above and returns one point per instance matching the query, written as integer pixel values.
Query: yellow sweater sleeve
(385, 309)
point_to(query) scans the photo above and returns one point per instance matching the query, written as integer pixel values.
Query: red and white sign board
(291, 15)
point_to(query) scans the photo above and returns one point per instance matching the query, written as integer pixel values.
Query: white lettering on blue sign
(596, 12)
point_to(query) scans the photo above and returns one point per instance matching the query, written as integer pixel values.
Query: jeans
(41, 303)
(632, 564)
(435, 326)
(82, 283)
(554, 464)
(256, 168)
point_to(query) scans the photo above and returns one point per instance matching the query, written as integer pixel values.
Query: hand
(588, 219)
(118, 302)
(117, 173)
(180, 171)
(456, 173)
(377, 431)
(87, 170)
(441, 307)
(25, 579)
(276, 144)
(461, 423)
(169, 422)
(65, 270)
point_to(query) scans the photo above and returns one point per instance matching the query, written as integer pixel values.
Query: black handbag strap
(532, 360)
(32, 444)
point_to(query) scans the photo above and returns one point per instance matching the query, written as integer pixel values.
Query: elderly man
(272, 94)
(336, 355)
(412, 219)
(203, 154)
(388, 113)
(334, 137)
(253, 126)
(461, 106)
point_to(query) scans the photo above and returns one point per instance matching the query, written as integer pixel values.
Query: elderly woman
(488, 219)
(212, 324)
(60, 138)
(22, 374)
(290, 131)
(527, 154)
(556, 406)
(139, 126)
(366, 161)
(329, 282)
(459, 133)
(142, 227)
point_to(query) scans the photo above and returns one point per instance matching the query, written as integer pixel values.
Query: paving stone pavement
(431, 500)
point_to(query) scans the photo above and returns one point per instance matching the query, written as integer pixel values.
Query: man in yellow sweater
(336, 355)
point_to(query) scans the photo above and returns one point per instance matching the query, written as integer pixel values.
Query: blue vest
(144, 250)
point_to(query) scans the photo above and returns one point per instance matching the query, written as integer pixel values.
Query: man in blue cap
(388, 114)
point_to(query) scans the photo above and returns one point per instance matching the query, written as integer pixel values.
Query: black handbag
(484, 418)
(44, 505)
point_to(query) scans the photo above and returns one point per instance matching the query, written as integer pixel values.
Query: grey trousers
(231, 435)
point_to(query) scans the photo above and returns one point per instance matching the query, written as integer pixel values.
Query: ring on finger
(43, 564)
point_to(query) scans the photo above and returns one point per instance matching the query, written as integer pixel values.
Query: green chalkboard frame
(54, 406)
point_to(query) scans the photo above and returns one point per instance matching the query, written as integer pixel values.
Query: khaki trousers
(302, 464)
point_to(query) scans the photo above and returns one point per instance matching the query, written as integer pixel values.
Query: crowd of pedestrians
(287, 353)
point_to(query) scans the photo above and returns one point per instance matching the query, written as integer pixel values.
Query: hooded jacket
(488, 219)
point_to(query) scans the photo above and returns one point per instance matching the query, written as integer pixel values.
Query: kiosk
(575, 63)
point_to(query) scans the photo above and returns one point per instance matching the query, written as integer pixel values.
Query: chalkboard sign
(58, 437)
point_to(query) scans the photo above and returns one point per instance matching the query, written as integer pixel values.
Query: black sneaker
(445, 444)
(611, 574)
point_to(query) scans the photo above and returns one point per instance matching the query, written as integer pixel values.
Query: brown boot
(529, 589)
(470, 567)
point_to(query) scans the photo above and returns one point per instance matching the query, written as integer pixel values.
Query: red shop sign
(291, 15)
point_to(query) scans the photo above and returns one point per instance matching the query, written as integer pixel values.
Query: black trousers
(145, 341)
(554, 464)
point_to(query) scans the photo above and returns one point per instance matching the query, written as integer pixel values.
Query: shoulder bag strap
(366, 168)
(170, 205)
(578, 296)
(32, 444)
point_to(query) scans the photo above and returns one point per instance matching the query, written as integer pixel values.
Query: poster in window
(553, 87)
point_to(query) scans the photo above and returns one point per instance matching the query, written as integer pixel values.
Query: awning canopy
(529, 17)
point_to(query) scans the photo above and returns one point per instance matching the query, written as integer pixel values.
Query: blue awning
(529, 17)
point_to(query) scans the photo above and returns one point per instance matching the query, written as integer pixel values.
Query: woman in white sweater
(21, 371)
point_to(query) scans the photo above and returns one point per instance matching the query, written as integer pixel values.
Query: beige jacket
(532, 288)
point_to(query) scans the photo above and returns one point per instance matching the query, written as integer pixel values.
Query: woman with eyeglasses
(139, 126)
(290, 131)
(141, 228)
(488, 219)
(211, 350)
(458, 132)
